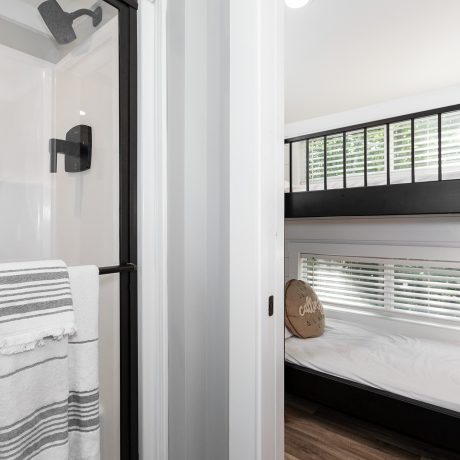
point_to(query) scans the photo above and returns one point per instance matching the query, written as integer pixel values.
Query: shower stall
(68, 169)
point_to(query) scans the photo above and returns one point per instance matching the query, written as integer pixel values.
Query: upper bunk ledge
(441, 197)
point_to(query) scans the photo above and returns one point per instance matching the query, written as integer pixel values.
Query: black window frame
(412, 198)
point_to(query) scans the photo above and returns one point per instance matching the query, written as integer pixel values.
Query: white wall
(341, 55)
(420, 231)
(438, 98)
(197, 229)
(26, 103)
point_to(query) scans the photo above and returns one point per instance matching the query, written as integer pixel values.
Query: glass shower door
(59, 155)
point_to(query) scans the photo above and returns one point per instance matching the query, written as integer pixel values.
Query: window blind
(377, 284)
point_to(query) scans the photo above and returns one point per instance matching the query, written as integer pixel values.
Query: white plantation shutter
(426, 148)
(287, 166)
(355, 158)
(401, 152)
(376, 156)
(299, 166)
(316, 164)
(450, 143)
(377, 284)
(334, 145)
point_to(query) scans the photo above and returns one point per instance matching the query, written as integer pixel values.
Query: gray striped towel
(34, 393)
(35, 304)
(49, 396)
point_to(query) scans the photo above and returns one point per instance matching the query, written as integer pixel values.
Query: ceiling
(345, 54)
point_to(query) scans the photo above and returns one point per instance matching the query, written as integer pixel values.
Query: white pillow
(287, 333)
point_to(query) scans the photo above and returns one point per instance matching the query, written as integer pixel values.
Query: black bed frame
(425, 422)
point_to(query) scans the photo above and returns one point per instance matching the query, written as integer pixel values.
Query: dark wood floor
(315, 432)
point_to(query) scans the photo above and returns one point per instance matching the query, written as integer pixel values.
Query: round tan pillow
(303, 311)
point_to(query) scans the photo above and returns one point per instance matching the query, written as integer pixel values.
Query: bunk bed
(396, 194)
(419, 414)
(390, 379)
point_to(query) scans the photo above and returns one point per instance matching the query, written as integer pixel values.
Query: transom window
(418, 148)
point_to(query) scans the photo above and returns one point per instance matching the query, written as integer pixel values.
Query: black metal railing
(385, 125)
(403, 165)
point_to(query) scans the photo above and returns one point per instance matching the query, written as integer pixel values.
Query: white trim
(256, 399)
(152, 173)
(381, 251)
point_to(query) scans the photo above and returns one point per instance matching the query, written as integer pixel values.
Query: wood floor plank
(289, 457)
(315, 432)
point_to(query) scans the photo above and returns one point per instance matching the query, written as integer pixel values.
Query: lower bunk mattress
(418, 368)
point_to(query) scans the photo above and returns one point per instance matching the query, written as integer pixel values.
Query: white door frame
(152, 193)
(256, 229)
(256, 374)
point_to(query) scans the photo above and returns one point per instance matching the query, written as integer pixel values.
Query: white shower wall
(70, 216)
(85, 227)
(25, 182)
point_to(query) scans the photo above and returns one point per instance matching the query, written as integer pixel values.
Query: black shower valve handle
(77, 149)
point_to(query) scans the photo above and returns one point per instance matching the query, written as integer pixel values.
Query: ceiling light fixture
(296, 3)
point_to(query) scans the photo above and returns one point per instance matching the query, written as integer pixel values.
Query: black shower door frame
(129, 420)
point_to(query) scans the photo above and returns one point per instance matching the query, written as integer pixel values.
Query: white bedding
(417, 368)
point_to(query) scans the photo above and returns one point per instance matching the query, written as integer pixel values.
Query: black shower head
(60, 23)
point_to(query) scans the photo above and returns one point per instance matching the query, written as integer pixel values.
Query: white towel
(84, 432)
(34, 395)
(49, 396)
(35, 303)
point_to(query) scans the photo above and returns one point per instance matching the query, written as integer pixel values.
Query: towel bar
(128, 267)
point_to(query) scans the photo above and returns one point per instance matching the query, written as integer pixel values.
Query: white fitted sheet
(418, 368)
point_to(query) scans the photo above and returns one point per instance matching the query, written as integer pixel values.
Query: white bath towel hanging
(35, 309)
(34, 395)
(84, 431)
